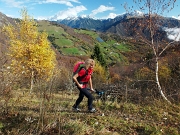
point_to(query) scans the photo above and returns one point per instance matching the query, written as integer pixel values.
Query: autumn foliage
(30, 51)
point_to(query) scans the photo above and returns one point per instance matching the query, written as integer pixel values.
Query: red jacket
(84, 76)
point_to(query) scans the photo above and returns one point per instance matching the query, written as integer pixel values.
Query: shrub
(100, 75)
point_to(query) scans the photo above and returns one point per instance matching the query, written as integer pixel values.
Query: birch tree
(30, 50)
(153, 11)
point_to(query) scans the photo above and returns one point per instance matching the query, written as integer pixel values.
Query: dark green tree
(98, 55)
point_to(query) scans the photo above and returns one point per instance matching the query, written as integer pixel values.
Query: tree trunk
(157, 81)
(32, 81)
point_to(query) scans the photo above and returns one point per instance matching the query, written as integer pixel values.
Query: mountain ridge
(116, 25)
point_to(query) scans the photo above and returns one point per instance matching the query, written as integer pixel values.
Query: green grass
(111, 42)
(64, 42)
(156, 118)
(72, 51)
(88, 32)
(104, 44)
(50, 29)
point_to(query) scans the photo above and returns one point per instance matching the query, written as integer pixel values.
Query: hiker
(81, 79)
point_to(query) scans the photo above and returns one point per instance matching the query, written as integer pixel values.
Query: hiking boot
(92, 110)
(76, 109)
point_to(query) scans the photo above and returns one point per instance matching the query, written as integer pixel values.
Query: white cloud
(101, 9)
(173, 33)
(71, 12)
(65, 2)
(21, 3)
(75, 1)
(14, 3)
(112, 15)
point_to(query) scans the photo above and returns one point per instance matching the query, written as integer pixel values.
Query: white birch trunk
(157, 81)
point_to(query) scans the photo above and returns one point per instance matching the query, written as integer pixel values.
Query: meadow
(26, 115)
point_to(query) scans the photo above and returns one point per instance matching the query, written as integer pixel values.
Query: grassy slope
(156, 118)
(81, 42)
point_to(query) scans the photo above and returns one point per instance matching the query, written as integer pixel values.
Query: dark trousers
(84, 92)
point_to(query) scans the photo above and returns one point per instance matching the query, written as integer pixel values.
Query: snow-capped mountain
(122, 25)
(87, 22)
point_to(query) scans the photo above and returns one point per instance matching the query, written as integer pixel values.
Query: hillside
(131, 103)
(117, 44)
(124, 55)
(72, 44)
(80, 42)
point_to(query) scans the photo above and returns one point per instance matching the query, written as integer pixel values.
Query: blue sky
(60, 9)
